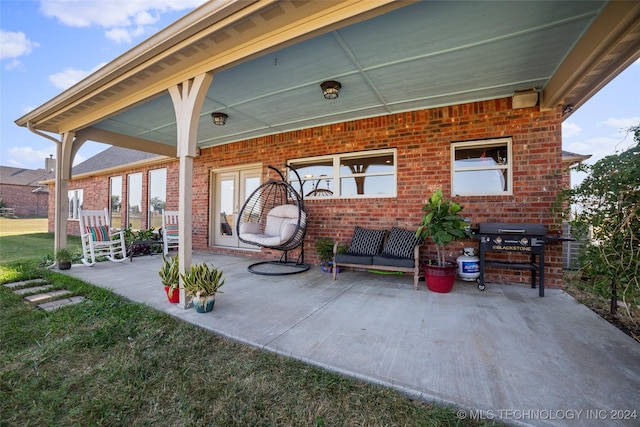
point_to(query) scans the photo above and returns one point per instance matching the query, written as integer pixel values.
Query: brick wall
(24, 201)
(422, 140)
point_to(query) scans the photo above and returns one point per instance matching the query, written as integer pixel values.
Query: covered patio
(401, 66)
(502, 354)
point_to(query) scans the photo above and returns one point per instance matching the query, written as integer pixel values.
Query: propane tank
(468, 265)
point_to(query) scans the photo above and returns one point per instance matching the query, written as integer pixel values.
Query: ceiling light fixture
(330, 89)
(219, 119)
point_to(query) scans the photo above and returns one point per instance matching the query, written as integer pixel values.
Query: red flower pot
(440, 278)
(175, 295)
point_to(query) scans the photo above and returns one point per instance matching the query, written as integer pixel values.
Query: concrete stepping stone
(47, 295)
(31, 282)
(53, 305)
(23, 291)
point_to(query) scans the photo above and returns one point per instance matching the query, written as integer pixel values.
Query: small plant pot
(175, 295)
(204, 305)
(64, 265)
(440, 279)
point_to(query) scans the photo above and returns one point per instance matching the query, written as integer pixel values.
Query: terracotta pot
(175, 295)
(440, 278)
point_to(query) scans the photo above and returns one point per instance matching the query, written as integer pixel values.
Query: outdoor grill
(525, 238)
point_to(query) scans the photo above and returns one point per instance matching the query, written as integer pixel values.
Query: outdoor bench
(398, 251)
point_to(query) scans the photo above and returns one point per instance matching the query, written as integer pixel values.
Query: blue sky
(47, 46)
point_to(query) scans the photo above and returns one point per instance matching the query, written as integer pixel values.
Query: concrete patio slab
(503, 354)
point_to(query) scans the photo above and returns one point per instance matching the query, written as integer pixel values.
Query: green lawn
(111, 362)
(24, 240)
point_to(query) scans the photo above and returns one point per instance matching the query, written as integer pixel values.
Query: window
(364, 174)
(75, 203)
(157, 196)
(115, 208)
(481, 167)
(134, 201)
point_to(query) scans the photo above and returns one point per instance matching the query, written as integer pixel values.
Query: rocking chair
(98, 239)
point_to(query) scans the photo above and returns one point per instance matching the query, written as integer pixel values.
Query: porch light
(330, 89)
(219, 119)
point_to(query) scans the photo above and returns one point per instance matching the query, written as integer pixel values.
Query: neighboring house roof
(573, 158)
(26, 177)
(110, 158)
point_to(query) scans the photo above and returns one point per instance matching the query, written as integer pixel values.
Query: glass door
(231, 189)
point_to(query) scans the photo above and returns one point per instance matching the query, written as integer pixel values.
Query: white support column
(64, 158)
(187, 98)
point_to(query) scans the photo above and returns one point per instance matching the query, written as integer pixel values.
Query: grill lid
(518, 228)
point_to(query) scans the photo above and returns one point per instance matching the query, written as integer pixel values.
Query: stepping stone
(31, 282)
(24, 291)
(52, 305)
(47, 295)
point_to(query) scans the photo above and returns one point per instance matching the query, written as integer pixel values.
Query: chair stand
(282, 267)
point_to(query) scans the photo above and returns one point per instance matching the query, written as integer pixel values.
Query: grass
(109, 361)
(27, 240)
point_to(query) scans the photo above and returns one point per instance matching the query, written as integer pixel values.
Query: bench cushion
(401, 243)
(353, 259)
(366, 242)
(393, 261)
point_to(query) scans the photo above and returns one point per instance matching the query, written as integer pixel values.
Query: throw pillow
(401, 243)
(365, 241)
(99, 234)
(171, 230)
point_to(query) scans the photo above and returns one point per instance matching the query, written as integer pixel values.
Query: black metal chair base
(278, 268)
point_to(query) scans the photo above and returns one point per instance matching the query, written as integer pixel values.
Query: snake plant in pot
(202, 282)
(442, 223)
(170, 277)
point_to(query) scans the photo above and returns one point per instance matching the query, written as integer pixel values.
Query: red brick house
(22, 190)
(464, 96)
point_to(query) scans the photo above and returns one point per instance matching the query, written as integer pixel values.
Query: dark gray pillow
(401, 243)
(366, 242)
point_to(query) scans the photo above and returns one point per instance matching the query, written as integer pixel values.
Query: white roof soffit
(228, 28)
(269, 57)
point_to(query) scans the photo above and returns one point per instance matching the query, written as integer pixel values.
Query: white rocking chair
(170, 231)
(98, 239)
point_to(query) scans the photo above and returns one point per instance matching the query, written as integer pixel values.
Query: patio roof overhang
(268, 59)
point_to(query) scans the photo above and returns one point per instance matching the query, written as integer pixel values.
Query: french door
(230, 190)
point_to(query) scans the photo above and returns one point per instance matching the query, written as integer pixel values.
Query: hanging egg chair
(274, 217)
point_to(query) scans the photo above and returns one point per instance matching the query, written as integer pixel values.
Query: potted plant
(443, 223)
(170, 276)
(63, 259)
(324, 249)
(202, 282)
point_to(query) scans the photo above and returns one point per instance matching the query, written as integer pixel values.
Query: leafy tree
(158, 204)
(607, 203)
(115, 203)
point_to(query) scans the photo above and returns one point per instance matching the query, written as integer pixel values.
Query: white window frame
(336, 177)
(485, 143)
(75, 201)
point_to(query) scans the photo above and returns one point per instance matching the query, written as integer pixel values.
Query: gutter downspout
(60, 239)
(44, 135)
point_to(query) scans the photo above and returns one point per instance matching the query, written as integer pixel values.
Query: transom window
(363, 174)
(481, 168)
